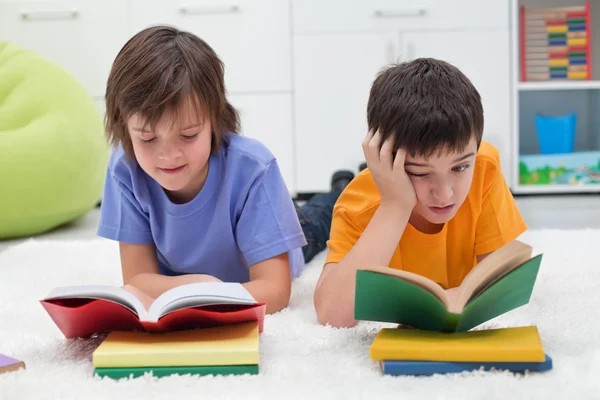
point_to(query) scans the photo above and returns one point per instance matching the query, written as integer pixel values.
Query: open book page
(198, 294)
(102, 292)
(417, 280)
(489, 270)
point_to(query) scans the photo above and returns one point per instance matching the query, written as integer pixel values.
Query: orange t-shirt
(487, 220)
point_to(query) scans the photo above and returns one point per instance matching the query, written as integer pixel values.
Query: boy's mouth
(172, 170)
(442, 210)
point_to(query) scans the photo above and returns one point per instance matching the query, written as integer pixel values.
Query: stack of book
(555, 43)
(8, 364)
(224, 350)
(443, 340)
(415, 352)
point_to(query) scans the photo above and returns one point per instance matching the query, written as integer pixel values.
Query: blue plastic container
(556, 134)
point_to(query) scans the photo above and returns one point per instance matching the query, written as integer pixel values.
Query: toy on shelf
(579, 168)
(556, 134)
(555, 43)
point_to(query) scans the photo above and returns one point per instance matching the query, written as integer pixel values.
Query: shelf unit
(531, 171)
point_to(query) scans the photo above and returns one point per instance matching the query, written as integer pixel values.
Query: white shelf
(537, 189)
(559, 85)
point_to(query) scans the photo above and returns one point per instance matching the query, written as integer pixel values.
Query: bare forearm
(334, 298)
(155, 284)
(264, 291)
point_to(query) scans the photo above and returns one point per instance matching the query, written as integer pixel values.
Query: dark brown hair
(427, 105)
(157, 70)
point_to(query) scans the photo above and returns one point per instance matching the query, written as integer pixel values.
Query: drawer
(328, 16)
(251, 37)
(268, 118)
(83, 37)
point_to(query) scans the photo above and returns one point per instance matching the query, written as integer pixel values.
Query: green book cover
(385, 298)
(118, 373)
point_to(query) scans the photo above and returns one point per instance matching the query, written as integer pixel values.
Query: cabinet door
(268, 118)
(332, 79)
(483, 56)
(83, 37)
(251, 37)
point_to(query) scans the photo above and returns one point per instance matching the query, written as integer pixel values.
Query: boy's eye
(416, 175)
(189, 137)
(147, 141)
(461, 168)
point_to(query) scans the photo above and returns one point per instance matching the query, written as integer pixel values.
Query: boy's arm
(270, 282)
(269, 279)
(140, 270)
(334, 294)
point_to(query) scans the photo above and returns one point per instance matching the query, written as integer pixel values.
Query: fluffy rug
(299, 358)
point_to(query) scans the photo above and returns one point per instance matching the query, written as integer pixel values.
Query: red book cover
(82, 311)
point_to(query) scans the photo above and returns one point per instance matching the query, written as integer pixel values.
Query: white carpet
(300, 359)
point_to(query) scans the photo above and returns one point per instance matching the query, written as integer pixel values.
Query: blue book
(393, 367)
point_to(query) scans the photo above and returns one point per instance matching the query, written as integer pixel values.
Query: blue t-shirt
(243, 214)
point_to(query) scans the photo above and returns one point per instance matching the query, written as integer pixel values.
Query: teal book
(395, 367)
(501, 282)
(118, 373)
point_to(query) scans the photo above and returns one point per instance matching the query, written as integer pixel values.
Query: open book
(501, 282)
(80, 311)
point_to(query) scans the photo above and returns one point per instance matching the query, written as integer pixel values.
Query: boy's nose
(442, 193)
(169, 152)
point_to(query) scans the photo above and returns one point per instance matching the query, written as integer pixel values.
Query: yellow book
(236, 344)
(522, 344)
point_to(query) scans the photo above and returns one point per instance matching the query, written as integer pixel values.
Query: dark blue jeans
(315, 219)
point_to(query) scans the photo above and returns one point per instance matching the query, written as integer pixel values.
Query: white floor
(559, 212)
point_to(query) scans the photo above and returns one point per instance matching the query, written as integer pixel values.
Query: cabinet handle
(417, 12)
(191, 10)
(49, 14)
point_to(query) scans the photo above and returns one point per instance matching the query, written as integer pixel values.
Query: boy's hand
(206, 278)
(388, 173)
(143, 297)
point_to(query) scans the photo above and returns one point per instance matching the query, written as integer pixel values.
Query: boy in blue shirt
(187, 198)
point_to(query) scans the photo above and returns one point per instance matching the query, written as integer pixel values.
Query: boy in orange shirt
(433, 200)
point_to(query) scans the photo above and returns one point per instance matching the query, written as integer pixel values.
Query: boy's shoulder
(119, 166)
(487, 168)
(247, 151)
(361, 198)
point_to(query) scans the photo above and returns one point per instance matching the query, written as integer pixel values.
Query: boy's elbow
(331, 313)
(281, 301)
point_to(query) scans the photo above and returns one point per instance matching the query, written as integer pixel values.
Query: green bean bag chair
(53, 155)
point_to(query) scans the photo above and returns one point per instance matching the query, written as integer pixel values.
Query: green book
(117, 373)
(501, 282)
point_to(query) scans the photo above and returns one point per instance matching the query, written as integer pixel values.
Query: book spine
(158, 372)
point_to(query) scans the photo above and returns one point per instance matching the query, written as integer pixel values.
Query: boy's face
(176, 154)
(441, 182)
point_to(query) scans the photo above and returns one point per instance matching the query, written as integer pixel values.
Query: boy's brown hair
(156, 71)
(427, 105)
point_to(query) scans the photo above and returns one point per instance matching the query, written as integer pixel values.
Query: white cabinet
(338, 50)
(251, 37)
(268, 118)
(490, 75)
(333, 76)
(330, 16)
(80, 36)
